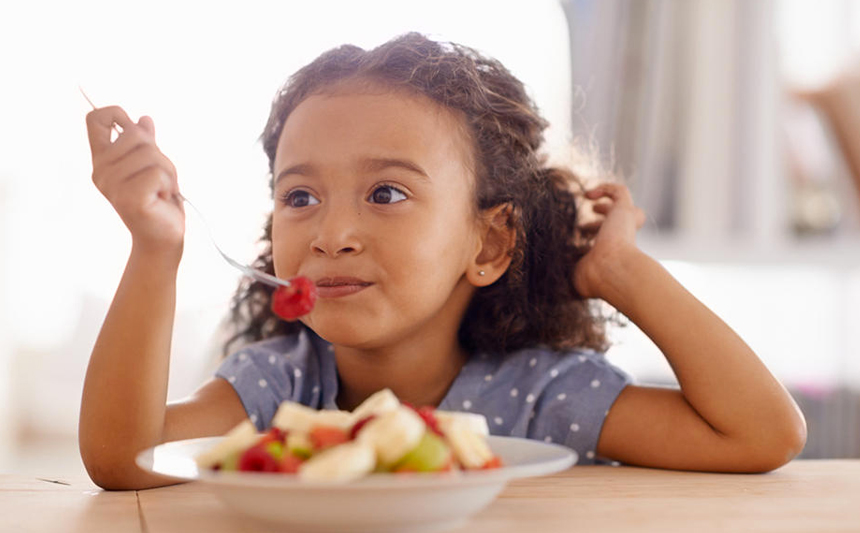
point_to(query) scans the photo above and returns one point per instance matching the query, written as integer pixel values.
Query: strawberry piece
(274, 434)
(495, 462)
(427, 413)
(353, 433)
(290, 464)
(323, 437)
(289, 303)
(257, 459)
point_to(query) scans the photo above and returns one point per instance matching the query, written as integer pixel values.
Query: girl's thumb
(146, 123)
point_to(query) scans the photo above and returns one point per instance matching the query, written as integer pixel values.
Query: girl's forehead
(374, 112)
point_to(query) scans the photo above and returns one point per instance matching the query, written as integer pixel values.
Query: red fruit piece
(495, 462)
(323, 437)
(274, 435)
(290, 463)
(257, 459)
(427, 413)
(358, 425)
(294, 301)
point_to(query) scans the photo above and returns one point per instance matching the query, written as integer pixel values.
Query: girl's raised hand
(612, 236)
(138, 180)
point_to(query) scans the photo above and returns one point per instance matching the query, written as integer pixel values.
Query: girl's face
(374, 203)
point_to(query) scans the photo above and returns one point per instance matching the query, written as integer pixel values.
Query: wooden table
(807, 496)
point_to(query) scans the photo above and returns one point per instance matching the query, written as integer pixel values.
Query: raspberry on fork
(292, 302)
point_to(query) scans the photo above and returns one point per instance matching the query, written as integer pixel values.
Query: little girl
(451, 268)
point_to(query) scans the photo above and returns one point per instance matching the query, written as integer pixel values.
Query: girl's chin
(343, 330)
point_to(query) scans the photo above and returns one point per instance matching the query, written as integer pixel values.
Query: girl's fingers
(132, 138)
(142, 189)
(148, 125)
(590, 227)
(602, 208)
(115, 175)
(618, 192)
(100, 123)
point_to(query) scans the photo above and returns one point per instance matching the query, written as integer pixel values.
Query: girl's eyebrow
(370, 164)
(379, 163)
(302, 169)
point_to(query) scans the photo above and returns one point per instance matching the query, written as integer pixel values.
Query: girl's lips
(340, 286)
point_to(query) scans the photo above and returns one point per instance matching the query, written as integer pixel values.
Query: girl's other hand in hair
(612, 236)
(138, 180)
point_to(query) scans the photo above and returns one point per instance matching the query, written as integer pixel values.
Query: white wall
(799, 318)
(206, 73)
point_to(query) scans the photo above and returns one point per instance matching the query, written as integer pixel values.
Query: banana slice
(474, 421)
(241, 437)
(378, 403)
(470, 447)
(338, 419)
(293, 416)
(342, 463)
(392, 434)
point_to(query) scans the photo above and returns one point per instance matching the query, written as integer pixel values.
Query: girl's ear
(497, 239)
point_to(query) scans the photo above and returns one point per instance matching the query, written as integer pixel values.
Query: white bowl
(381, 503)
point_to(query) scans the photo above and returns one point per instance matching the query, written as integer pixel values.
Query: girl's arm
(123, 407)
(731, 414)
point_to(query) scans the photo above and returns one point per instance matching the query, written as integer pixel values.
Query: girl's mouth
(338, 287)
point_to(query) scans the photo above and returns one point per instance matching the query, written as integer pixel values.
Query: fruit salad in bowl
(383, 468)
(382, 435)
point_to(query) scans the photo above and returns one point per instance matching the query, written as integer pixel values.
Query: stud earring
(481, 273)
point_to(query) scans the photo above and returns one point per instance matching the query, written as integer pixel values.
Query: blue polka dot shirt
(536, 393)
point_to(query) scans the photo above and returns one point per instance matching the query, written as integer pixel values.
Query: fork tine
(258, 275)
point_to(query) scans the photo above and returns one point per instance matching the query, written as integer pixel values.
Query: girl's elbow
(108, 478)
(105, 471)
(112, 471)
(122, 475)
(781, 448)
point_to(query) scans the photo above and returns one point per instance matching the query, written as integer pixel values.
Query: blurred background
(735, 122)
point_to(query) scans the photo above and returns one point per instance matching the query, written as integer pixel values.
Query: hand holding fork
(141, 184)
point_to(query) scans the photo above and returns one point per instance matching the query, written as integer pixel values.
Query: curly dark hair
(534, 302)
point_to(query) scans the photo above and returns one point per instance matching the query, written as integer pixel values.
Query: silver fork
(252, 273)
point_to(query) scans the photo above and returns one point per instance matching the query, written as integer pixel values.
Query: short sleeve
(265, 374)
(573, 403)
(540, 394)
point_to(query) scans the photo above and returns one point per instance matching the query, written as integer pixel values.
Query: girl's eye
(387, 194)
(299, 199)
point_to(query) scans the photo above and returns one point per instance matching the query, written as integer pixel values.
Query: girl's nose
(338, 233)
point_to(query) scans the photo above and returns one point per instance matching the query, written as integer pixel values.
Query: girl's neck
(418, 372)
